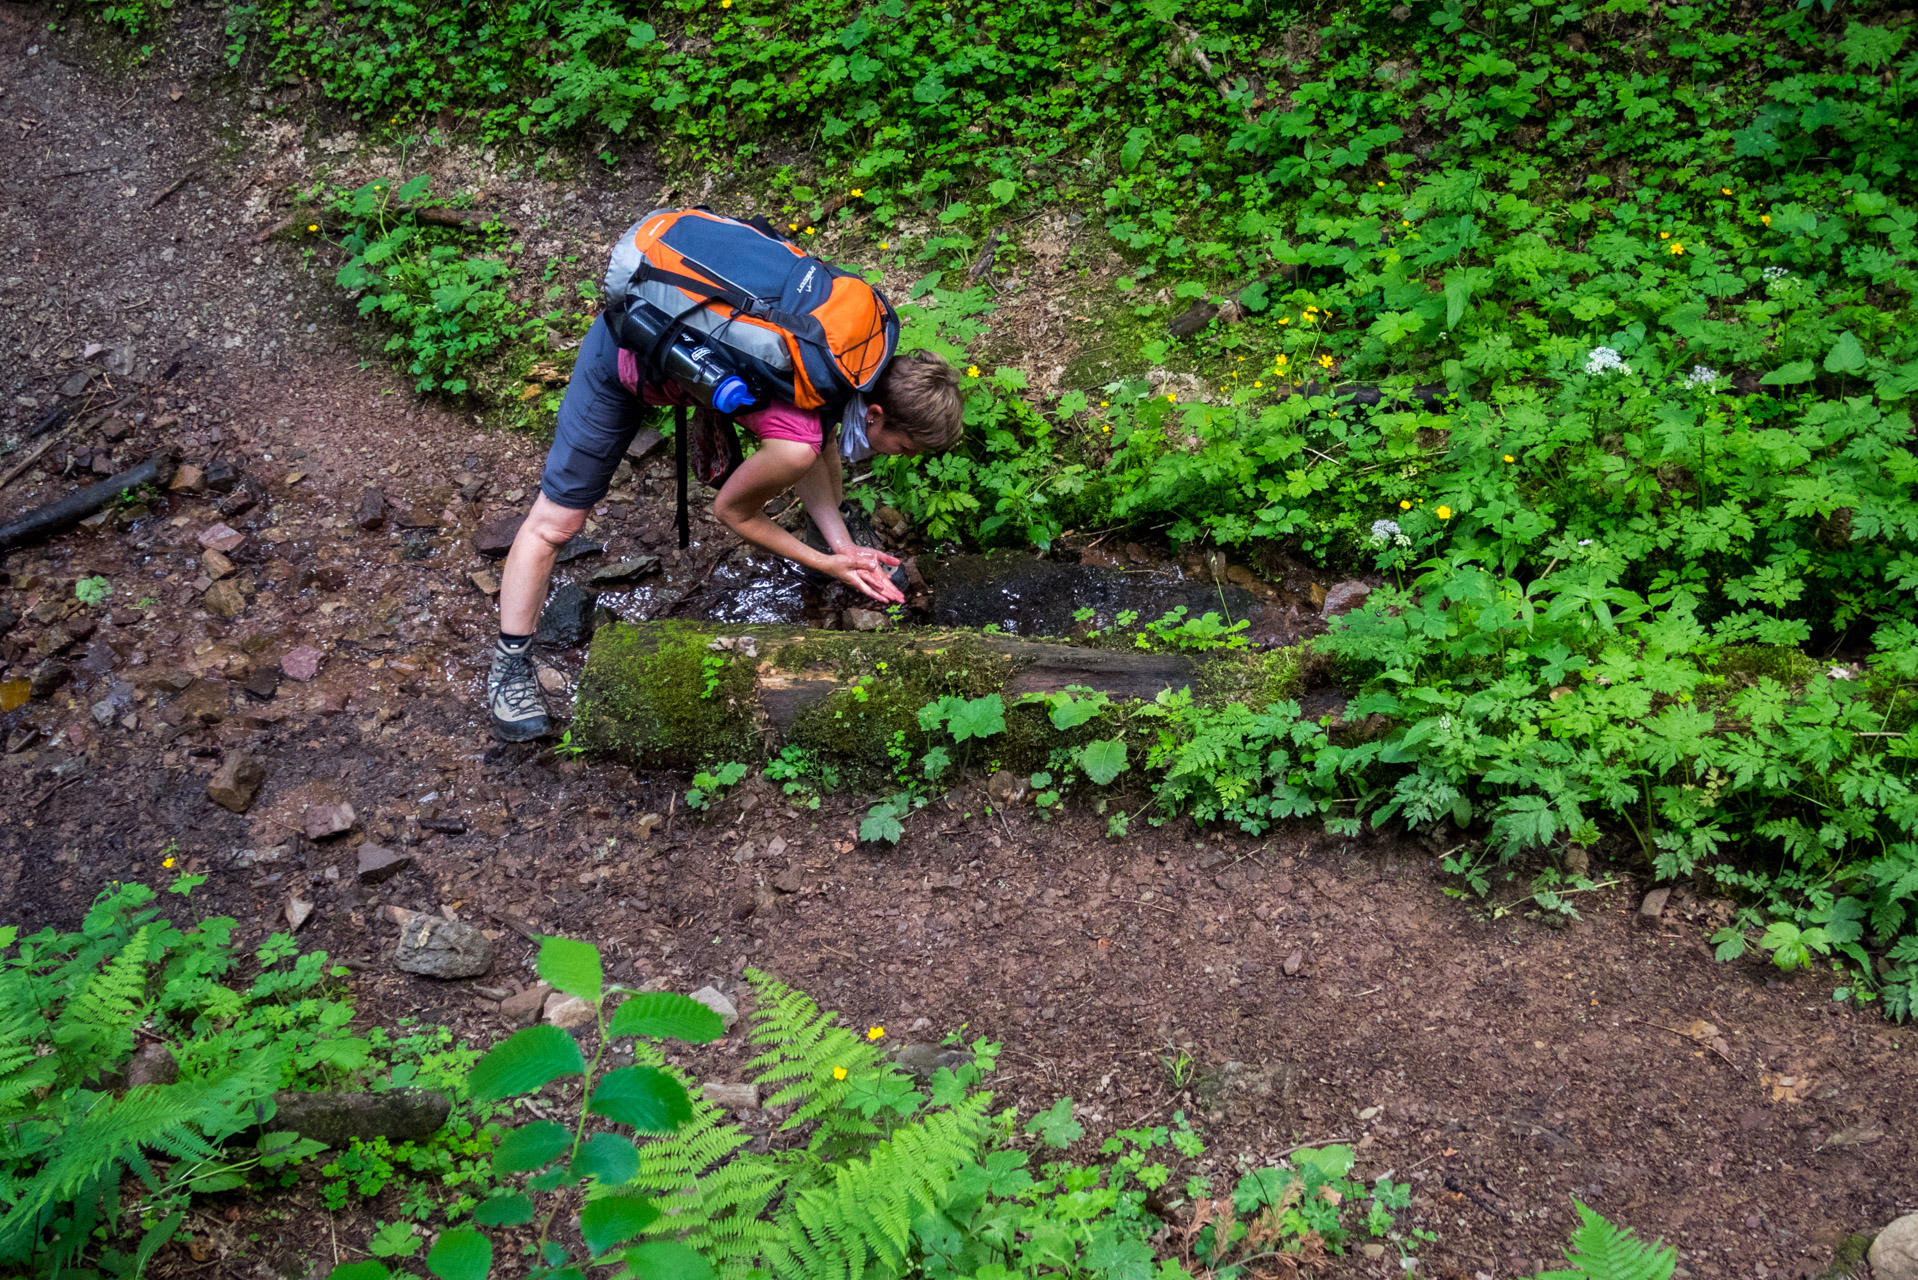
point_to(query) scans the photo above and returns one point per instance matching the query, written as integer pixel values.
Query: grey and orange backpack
(797, 329)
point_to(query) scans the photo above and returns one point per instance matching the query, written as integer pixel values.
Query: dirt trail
(1501, 1067)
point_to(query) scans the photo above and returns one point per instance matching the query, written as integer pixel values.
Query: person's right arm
(774, 467)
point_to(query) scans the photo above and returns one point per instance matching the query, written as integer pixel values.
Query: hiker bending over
(731, 320)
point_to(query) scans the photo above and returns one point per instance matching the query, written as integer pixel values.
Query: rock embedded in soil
(496, 533)
(237, 781)
(262, 683)
(732, 1097)
(154, 1064)
(372, 512)
(221, 538)
(398, 1115)
(224, 599)
(221, 476)
(48, 676)
(577, 547)
(1241, 1093)
(646, 444)
(440, 948)
(188, 479)
(567, 620)
(713, 999)
(298, 912)
(923, 1060)
(1652, 909)
(1344, 597)
(857, 619)
(1006, 788)
(301, 663)
(239, 502)
(485, 580)
(1894, 1254)
(524, 1008)
(566, 1012)
(625, 571)
(323, 820)
(217, 565)
(377, 865)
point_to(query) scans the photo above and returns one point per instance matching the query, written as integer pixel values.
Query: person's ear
(875, 416)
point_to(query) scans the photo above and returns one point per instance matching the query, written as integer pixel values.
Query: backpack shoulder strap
(680, 442)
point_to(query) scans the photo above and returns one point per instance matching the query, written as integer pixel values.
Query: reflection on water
(1031, 597)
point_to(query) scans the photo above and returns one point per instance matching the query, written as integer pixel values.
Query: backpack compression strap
(805, 328)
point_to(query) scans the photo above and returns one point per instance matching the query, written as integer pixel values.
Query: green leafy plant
(92, 590)
(709, 787)
(1601, 1251)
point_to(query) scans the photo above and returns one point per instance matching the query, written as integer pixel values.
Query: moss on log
(677, 695)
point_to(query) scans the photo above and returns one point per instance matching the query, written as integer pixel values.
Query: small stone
(154, 1064)
(1006, 788)
(719, 1004)
(1652, 907)
(398, 1115)
(552, 680)
(1344, 597)
(776, 847)
(645, 445)
(222, 538)
(567, 620)
(377, 865)
(298, 912)
(236, 781)
(732, 1097)
(238, 503)
(496, 533)
(372, 512)
(576, 547)
(262, 683)
(301, 663)
(1373, 1250)
(486, 580)
(625, 570)
(441, 948)
(323, 820)
(217, 565)
(187, 478)
(649, 824)
(1293, 963)
(523, 1010)
(1318, 595)
(865, 620)
(417, 518)
(221, 476)
(791, 879)
(924, 1060)
(567, 1011)
(224, 599)
(1894, 1254)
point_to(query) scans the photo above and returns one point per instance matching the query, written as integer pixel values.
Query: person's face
(885, 439)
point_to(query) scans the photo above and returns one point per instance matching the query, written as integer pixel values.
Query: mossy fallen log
(677, 695)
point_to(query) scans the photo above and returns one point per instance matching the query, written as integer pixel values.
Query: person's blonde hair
(919, 391)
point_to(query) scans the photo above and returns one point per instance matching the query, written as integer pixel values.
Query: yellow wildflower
(1677, 247)
(1381, 184)
(1282, 360)
(1171, 398)
(1325, 362)
(1445, 513)
(809, 231)
(1105, 404)
(875, 1033)
(839, 1073)
(1405, 504)
(1510, 458)
(972, 371)
(168, 864)
(1765, 218)
(725, 4)
(1664, 235)
(1258, 384)
(312, 226)
(792, 226)
(1285, 319)
(857, 192)
(1724, 191)
(884, 245)
(1405, 222)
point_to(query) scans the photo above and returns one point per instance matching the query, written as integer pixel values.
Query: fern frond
(1601, 1251)
(96, 1026)
(805, 1050)
(859, 1223)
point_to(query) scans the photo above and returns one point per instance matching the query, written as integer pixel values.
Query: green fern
(813, 1061)
(860, 1222)
(1601, 1251)
(98, 1021)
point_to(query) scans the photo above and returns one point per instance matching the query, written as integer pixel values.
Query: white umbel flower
(1701, 376)
(1605, 360)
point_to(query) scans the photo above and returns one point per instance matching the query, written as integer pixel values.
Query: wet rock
(224, 599)
(733, 1097)
(221, 476)
(323, 820)
(154, 1064)
(485, 580)
(1344, 597)
(865, 620)
(496, 533)
(1894, 1254)
(221, 538)
(925, 1059)
(237, 781)
(242, 500)
(523, 1010)
(567, 1011)
(567, 620)
(262, 684)
(378, 865)
(398, 1115)
(217, 565)
(1239, 1092)
(625, 571)
(372, 512)
(417, 518)
(577, 547)
(8, 619)
(47, 677)
(441, 948)
(1651, 909)
(713, 999)
(301, 663)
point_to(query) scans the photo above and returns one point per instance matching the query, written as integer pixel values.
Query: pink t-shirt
(778, 421)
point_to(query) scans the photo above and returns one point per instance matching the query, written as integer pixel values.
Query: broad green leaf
(1103, 760)
(977, 718)
(1846, 355)
(612, 1220)
(1055, 1125)
(414, 189)
(881, 823)
(1069, 712)
(524, 1062)
(359, 1271)
(1004, 190)
(1790, 375)
(608, 1157)
(648, 1100)
(667, 1260)
(530, 1146)
(572, 967)
(461, 1254)
(666, 1015)
(505, 1211)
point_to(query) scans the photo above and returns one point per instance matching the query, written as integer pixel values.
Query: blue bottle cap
(732, 395)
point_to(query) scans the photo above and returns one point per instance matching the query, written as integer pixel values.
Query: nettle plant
(566, 1166)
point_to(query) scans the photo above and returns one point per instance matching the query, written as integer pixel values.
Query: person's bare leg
(513, 698)
(529, 565)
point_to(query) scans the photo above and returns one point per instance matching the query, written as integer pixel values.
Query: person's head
(916, 406)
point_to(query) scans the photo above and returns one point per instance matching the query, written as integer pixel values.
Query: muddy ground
(1503, 1066)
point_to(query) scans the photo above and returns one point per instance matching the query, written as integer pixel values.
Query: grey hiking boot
(513, 697)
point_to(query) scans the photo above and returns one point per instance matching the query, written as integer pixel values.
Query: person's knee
(550, 523)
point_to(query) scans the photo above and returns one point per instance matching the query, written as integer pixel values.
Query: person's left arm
(772, 469)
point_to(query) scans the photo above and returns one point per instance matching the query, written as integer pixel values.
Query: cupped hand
(868, 571)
